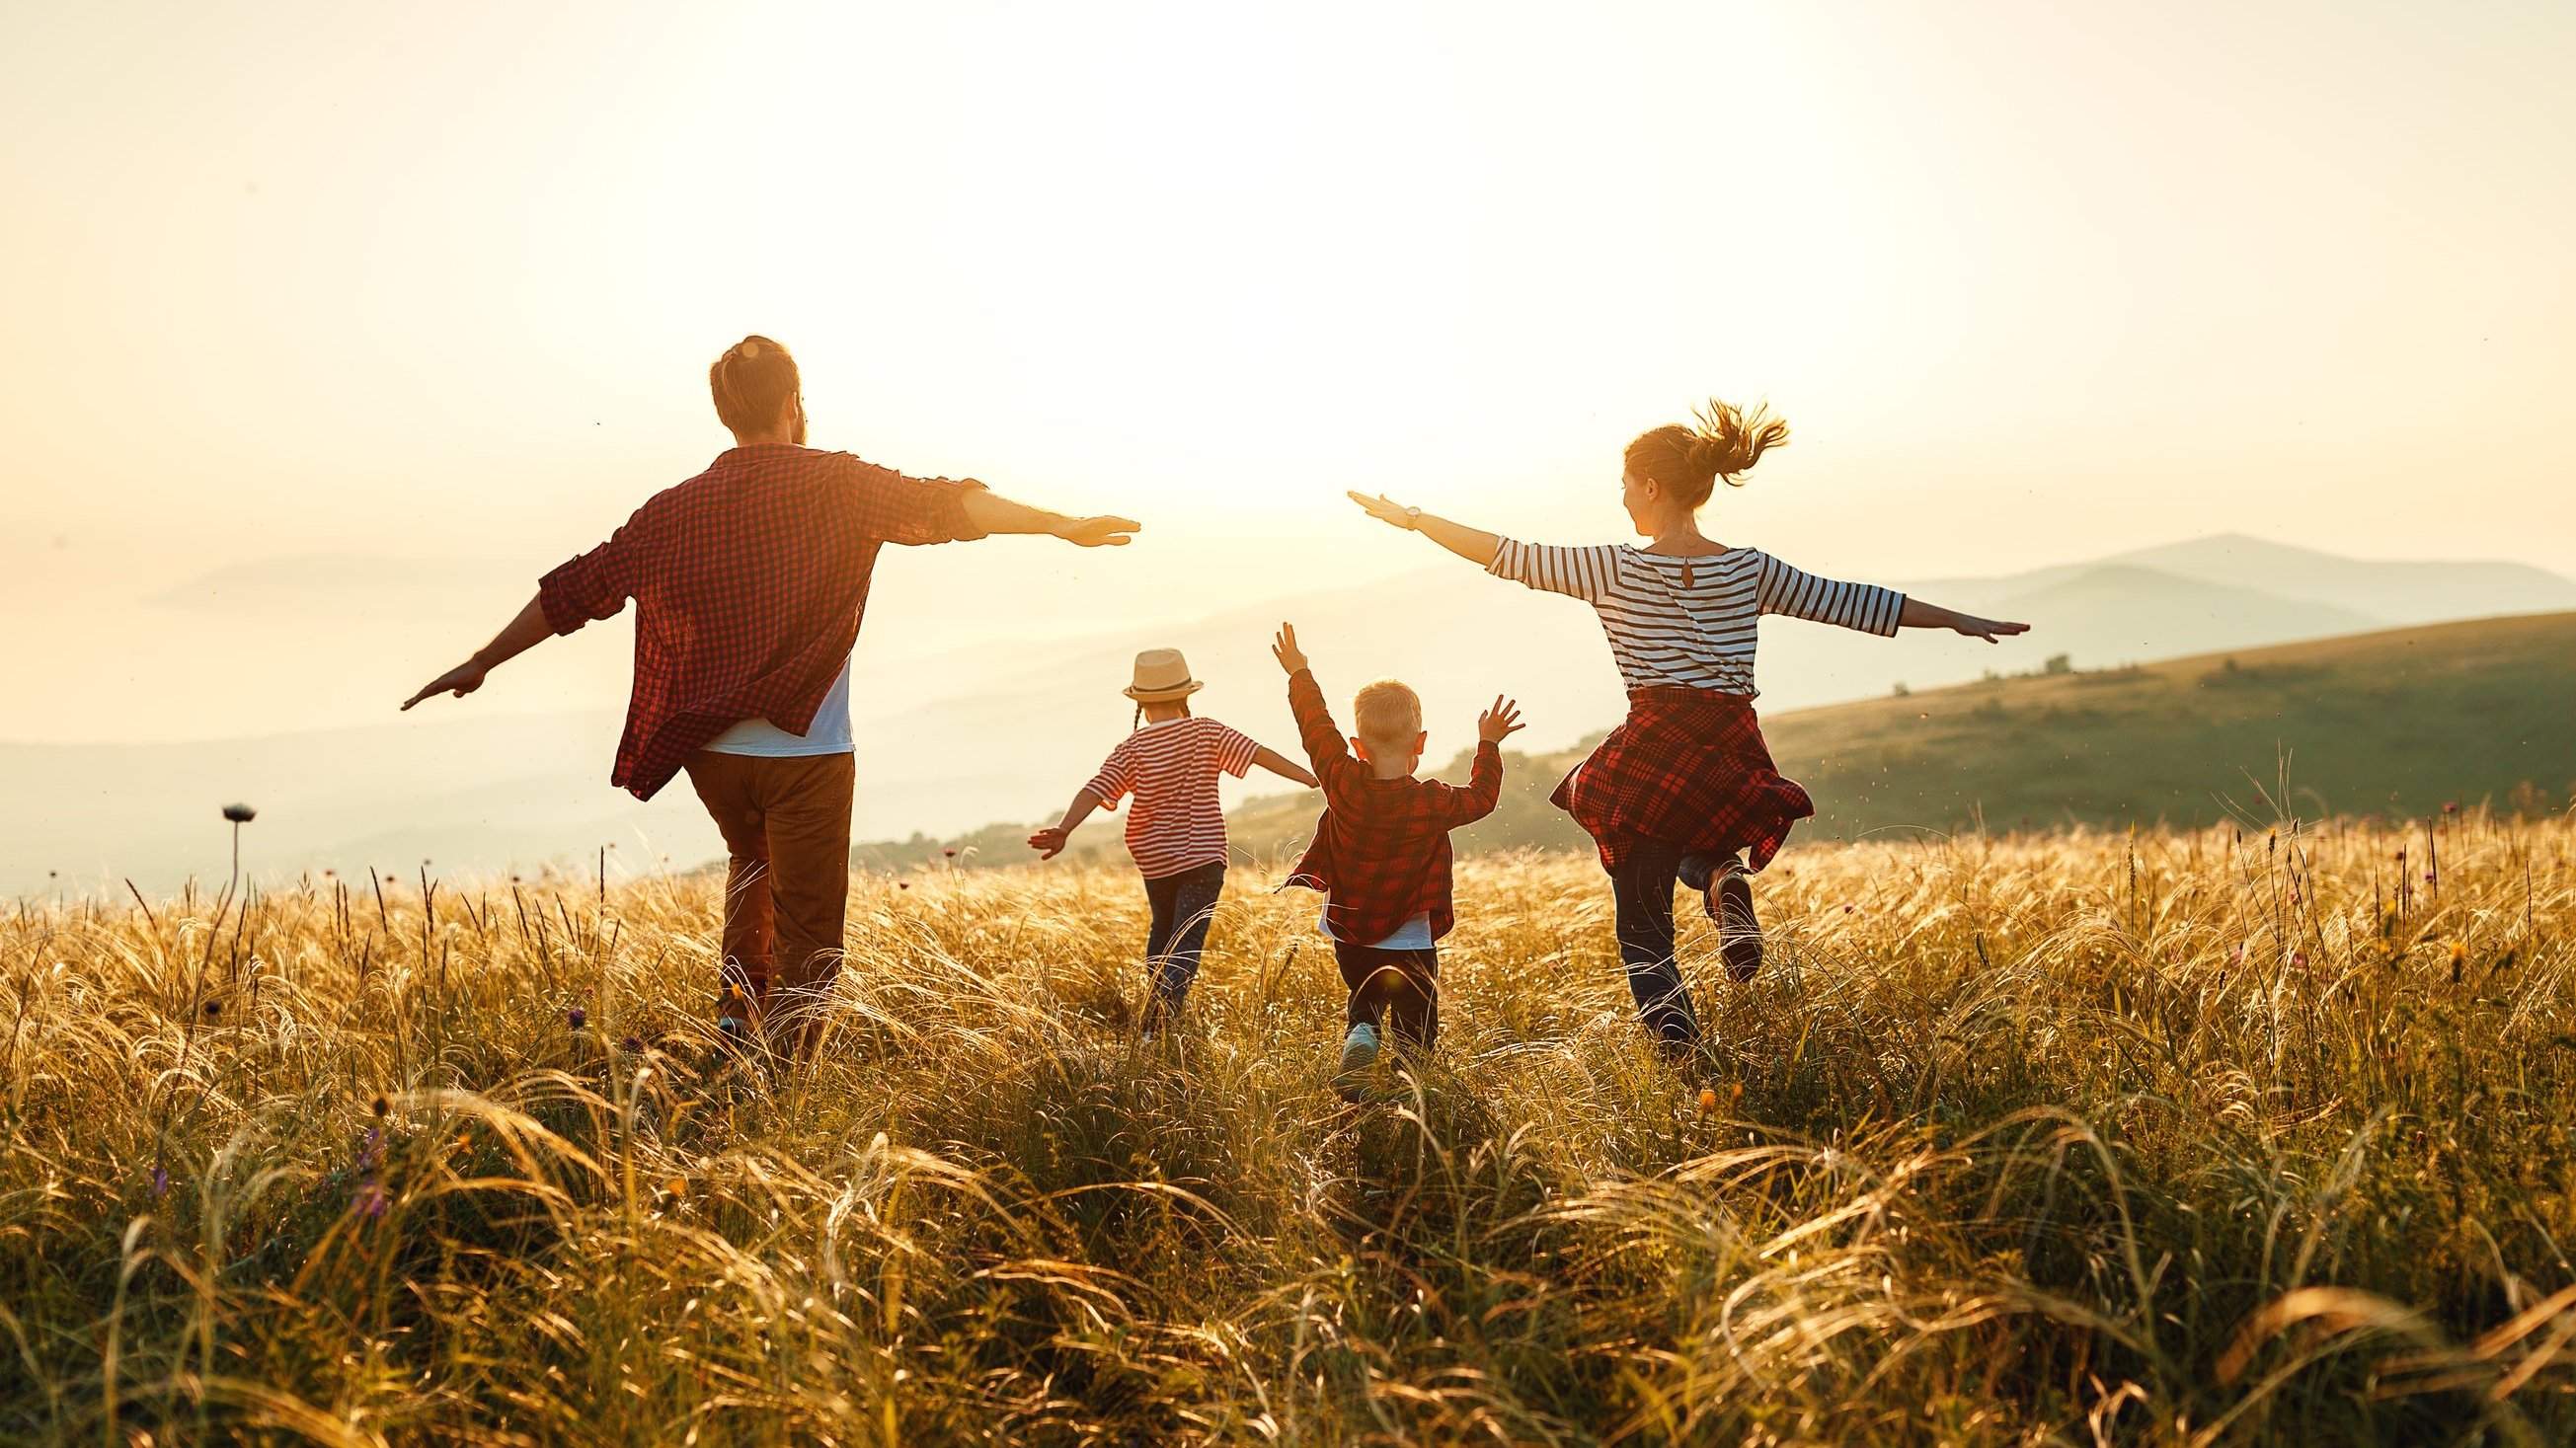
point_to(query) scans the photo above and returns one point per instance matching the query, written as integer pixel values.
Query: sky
(427, 294)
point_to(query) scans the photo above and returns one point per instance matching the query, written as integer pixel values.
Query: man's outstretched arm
(993, 513)
(515, 638)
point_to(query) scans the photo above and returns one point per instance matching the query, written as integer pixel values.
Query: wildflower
(677, 1186)
(1708, 1100)
(2428, 877)
(2237, 956)
(380, 1106)
(160, 1182)
(577, 1018)
(2299, 958)
(950, 853)
(903, 884)
(370, 1201)
(1847, 909)
(240, 814)
(2459, 954)
(214, 1008)
(632, 1045)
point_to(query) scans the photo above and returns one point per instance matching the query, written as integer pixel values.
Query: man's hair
(752, 381)
(1388, 713)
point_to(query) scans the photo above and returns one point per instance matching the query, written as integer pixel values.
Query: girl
(1685, 787)
(1176, 832)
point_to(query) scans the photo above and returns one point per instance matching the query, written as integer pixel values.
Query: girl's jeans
(1183, 905)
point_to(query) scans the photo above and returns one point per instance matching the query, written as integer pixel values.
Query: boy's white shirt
(1414, 934)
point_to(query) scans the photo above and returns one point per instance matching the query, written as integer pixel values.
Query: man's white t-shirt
(830, 733)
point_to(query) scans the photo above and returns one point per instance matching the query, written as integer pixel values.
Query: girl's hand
(1284, 649)
(1499, 722)
(460, 681)
(1384, 509)
(1050, 841)
(1988, 629)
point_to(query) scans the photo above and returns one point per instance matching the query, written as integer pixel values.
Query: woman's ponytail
(1723, 441)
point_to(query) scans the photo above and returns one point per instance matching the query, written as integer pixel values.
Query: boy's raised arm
(1485, 782)
(1315, 727)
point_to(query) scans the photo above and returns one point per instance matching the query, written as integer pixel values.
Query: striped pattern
(1691, 622)
(1171, 768)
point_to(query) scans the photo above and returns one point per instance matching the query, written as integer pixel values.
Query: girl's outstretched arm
(1279, 764)
(1918, 614)
(1473, 544)
(1051, 840)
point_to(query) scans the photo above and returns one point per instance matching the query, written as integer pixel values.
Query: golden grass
(2186, 1139)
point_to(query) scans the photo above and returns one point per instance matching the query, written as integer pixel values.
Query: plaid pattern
(1381, 851)
(749, 581)
(1687, 767)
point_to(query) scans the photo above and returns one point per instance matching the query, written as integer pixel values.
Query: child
(1176, 832)
(1381, 851)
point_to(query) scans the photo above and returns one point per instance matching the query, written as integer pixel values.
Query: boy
(1381, 851)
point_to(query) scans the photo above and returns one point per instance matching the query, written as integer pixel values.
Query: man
(749, 581)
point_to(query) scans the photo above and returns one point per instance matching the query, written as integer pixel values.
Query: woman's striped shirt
(1691, 621)
(1171, 769)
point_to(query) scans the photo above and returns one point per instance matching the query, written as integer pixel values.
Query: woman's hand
(1049, 841)
(1284, 649)
(1385, 510)
(1988, 629)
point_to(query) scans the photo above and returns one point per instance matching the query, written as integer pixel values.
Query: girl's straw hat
(1161, 676)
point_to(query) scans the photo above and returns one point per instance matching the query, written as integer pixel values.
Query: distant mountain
(2398, 723)
(951, 741)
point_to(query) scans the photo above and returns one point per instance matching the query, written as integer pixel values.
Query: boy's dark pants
(1183, 904)
(1401, 985)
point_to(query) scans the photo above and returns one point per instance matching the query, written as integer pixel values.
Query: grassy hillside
(2396, 723)
(2064, 1140)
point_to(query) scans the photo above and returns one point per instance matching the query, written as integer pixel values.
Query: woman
(1684, 788)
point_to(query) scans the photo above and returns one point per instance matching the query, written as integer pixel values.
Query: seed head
(240, 814)
(576, 1018)
(380, 1106)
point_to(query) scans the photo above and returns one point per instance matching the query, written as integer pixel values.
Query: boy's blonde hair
(1387, 712)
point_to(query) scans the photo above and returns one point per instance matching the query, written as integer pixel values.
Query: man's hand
(1101, 532)
(1386, 510)
(1284, 649)
(1988, 629)
(1049, 841)
(1499, 722)
(462, 680)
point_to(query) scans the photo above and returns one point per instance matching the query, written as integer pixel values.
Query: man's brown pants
(786, 827)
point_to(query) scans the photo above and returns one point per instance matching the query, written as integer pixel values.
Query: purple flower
(2299, 958)
(577, 1018)
(370, 1201)
(632, 1045)
(160, 1182)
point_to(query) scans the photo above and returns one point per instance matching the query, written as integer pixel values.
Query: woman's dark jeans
(1642, 890)
(1183, 906)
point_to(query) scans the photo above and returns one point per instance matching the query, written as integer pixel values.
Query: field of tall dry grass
(2209, 1138)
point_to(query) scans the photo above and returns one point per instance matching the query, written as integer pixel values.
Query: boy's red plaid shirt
(1381, 851)
(749, 581)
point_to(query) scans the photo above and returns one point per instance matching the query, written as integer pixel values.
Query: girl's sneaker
(1359, 1054)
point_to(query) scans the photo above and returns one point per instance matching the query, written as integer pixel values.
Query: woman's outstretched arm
(1473, 544)
(1918, 614)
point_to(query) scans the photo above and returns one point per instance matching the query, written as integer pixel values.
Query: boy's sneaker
(1359, 1054)
(1730, 904)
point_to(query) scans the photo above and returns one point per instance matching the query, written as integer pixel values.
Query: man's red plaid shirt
(1381, 851)
(749, 582)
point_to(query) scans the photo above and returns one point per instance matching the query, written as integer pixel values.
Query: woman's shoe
(1730, 904)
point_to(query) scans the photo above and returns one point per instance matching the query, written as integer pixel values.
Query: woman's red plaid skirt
(1687, 767)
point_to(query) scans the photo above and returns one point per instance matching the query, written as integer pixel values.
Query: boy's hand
(1284, 649)
(1049, 841)
(1499, 722)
